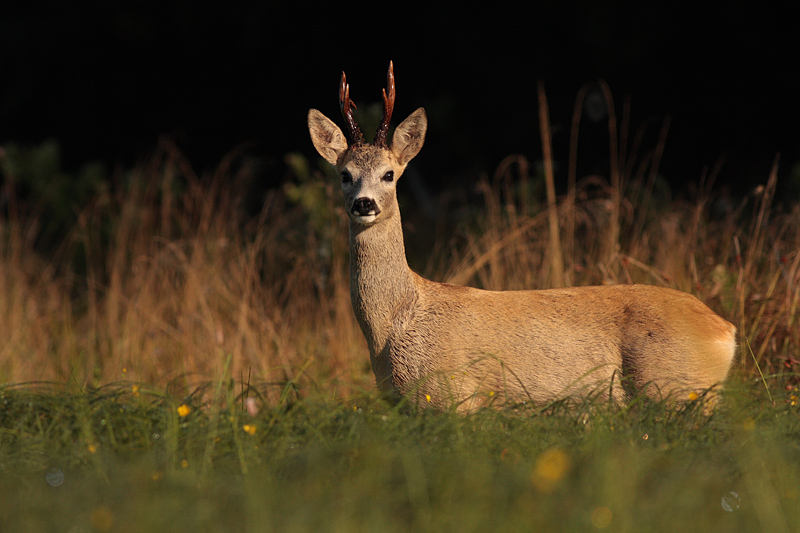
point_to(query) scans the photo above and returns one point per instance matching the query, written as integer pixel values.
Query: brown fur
(443, 343)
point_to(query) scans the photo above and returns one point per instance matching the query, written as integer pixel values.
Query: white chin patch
(365, 219)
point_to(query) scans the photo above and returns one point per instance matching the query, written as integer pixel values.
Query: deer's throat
(382, 286)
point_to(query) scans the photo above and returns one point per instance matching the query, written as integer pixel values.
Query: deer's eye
(346, 177)
(389, 176)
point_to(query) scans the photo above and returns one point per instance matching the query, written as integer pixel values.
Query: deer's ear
(328, 139)
(410, 136)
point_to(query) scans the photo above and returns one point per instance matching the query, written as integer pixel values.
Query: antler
(347, 106)
(388, 107)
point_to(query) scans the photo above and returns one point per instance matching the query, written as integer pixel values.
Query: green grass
(114, 460)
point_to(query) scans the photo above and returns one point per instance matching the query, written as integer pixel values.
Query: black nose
(365, 206)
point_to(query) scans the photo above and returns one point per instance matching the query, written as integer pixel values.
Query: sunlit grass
(163, 278)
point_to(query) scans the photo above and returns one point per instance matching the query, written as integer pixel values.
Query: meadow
(177, 356)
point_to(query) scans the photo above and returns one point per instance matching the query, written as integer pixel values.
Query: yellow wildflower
(135, 390)
(101, 519)
(184, 410)
(692, 396)
(249, 428)
(550, 468)
(428, 398)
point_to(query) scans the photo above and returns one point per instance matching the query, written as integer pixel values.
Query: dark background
(107, 79)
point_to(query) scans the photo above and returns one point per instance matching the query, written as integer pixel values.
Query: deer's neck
(382, 286)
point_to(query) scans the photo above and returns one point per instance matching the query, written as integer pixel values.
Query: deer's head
(369, 171)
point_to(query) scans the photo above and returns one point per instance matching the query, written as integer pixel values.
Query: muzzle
(364, 207)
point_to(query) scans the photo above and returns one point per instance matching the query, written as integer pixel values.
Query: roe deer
(442, 343)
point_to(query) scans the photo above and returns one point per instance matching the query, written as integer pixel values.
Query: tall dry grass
(165, 279)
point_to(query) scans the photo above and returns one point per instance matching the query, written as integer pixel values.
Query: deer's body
(446, 343)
